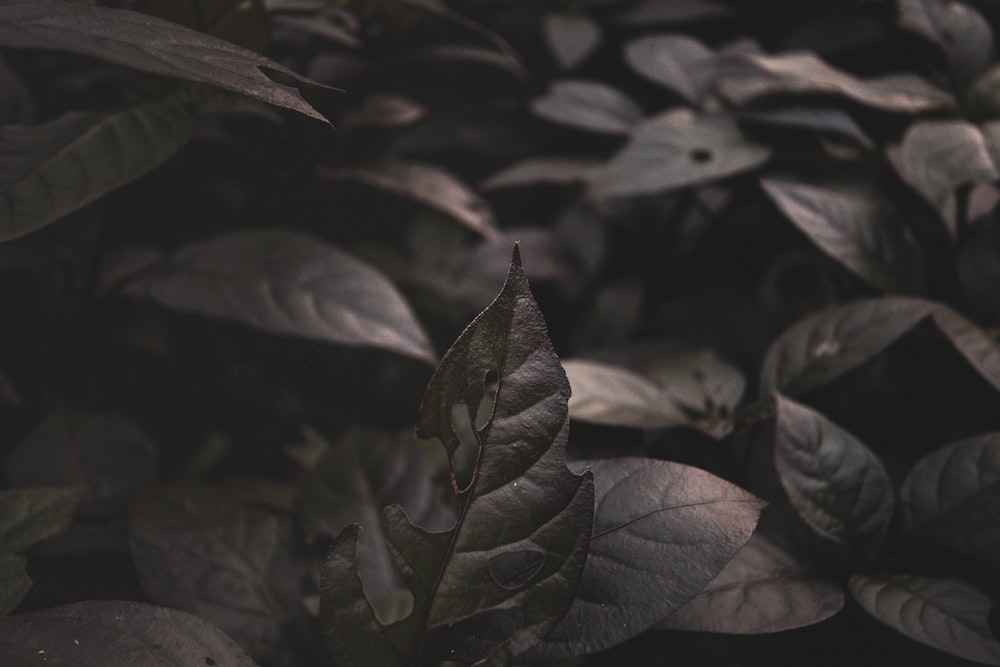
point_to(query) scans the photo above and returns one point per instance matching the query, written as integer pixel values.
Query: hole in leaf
(514, 569)
(700, 155)
(491, 382)
(467, 427)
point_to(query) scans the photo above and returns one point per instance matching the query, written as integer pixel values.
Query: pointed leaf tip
(515, 259)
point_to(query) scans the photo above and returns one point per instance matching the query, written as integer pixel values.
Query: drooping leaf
(14, 582)
(801, 72)
(828, 344)
(288, 282)
(146, 43)
(936, 156)
(425, 184)
(362, 473)
(948, 614)
(855, 226)
(677, 62)
(571, 38)
(535, 171)
(588, 105)
(658, 12)
(124, 634)
(763, 589)
(106, 457)
(30, 515)
(233, 566)
(662, 531)
(507, 570)
(958, 29)
(678, 149)
(835, 483)
(50, 170)
(826, 120)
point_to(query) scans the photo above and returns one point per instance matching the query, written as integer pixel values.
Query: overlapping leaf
(125, 634)
(291, 283)
(835, 483)
(571, 38)
(957, 28)
(52, 169)
(588, 105)
(146, 43)
(678, 62)
(947, 614)
(497, 581)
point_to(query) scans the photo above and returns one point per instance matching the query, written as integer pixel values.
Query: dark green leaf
(678, 149)
(107, 457)
(824, 346)
(521, 500)
(148, 44)
(124, 634)
(427, 185)
(14, 582)
(762, 590)
(959, 30)
(947, 614)
(588, 105)
(28, 516)
(288, 282)
(662, 531)
(856, 226)
(836, 484)
(801, 72)
(571, 38)
(677, 62)
(52, 169)
(235, 567)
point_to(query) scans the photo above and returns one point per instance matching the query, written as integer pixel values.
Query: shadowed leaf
(571, 38)
(659, 12)
(677, 62)
(957, 28)
(28, 516)
(588, 105)
(14, 582)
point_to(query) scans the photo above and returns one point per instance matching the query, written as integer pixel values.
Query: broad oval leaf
(124, 634)
(50, 170)
(957, 28)
(678, 149)
(762, 590)
(425, 184)
(571, 38)
(801, 72)
(835, 483)
(662, 531)
(588, 105)
(616, 396)
(828, 344)
(855, 226)
(677, 62)
(948, 614)
(146, 43)
(469, 603)
(235, 567)
(288, 282)
(30, 515)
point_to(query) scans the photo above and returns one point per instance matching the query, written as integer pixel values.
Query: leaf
(677, 62)
(536, 171)
(982, 97)
(855, 226)
(662, 531)
(826, 345)
(588, 105)
(521, 505)
(28, 516)
(936, 156)
(947, 614)
(801, 72)
(425, 184)
(52, 169)
(835, 483)
(148, 44)
(235, 567)
(124, 634)
(381, 110)
(823, 120)
(679, 149)
(655, 12)
(670, 386)
(288, 282)
(364, 472)
(570, 38)
(959, 30)
(14, 583)
(979, 267)
(106, 456)
(761, 590)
